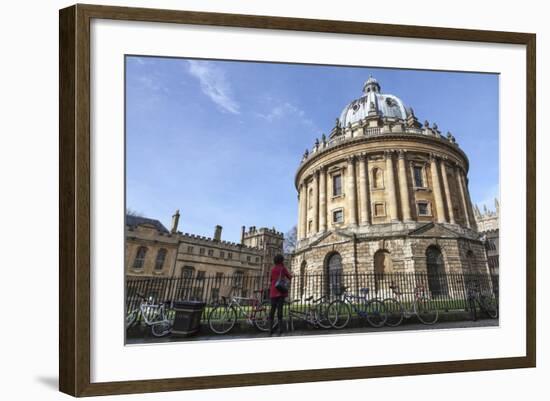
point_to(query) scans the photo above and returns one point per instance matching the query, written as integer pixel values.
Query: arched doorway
(334, 271)
(437, 280)
(382, 265)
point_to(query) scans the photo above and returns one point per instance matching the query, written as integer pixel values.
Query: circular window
(355, 107)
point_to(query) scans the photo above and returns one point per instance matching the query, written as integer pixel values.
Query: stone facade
(488, 225)
(153, 251)
(385, 194)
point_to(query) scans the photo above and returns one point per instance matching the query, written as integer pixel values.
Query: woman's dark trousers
(276, 305)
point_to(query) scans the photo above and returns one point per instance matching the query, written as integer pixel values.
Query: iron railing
(447, 291)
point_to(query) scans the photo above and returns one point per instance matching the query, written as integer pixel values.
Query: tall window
(238, 279)
(310, 199)
(161, 256)
(140, 257)
(377, 178)
(337, 185)
(418, 176)
(187, 272)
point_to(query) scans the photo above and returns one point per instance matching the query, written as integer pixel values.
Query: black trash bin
(188, 317)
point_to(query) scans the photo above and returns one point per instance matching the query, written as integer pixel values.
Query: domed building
(385, 194)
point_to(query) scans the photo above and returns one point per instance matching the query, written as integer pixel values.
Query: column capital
(434, 157)
(350, 159)
(402, 153)
(362, 157)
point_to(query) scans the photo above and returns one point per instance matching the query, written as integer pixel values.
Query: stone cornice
(421, 138)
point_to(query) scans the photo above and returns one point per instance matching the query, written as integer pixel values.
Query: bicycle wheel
(489, 306)
(222, 319)
(376, 313)
(339, 314)
(131, 318)
(425, 311)
(261, 317)
(394, 311)
(321, 315)
(161, 328)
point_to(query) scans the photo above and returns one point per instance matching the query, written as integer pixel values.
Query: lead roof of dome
(382, 105)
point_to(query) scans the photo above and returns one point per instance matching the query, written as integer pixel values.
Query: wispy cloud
(284, 110)
(214, 84)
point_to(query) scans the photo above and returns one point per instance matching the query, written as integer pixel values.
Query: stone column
(390, 187)
(303, 212)
(437, 190)
(473, 223)
(404, 187)
(363, 207)
(458, 174)
(323, 198)
(350, 192)
(315, 205)
(447, 192)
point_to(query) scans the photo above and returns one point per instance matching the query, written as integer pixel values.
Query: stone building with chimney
(384, 193)
(154, 251)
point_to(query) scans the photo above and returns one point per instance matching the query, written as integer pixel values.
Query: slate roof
(133, 221)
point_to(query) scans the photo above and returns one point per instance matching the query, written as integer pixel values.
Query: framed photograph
(307, 200)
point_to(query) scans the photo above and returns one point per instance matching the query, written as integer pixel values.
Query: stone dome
(373, 103)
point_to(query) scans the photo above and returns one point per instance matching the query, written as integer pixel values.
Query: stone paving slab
(204, 335)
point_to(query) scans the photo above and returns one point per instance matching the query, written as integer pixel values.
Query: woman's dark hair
(278, 259)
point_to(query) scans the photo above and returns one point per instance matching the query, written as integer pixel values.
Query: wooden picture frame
(75, 209)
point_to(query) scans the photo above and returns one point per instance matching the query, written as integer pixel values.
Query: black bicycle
(315, 315)
(486, 302)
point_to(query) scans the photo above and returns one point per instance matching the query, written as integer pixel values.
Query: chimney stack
(218, 233)
(175, 221)
(243, 229)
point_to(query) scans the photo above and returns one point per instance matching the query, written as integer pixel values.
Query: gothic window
(201, 251)
(210, 252)
(337, 185)
(338, 216)
(222, 254)
(161, 256)
(418, 176)
(140, 257)
(189, 249)
(382, 265)
(377, 178)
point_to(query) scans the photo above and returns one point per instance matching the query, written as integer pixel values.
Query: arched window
(161, 256)
(382, 265)
(334, 270)
(140, 257)
(377, 178)
(310, 199)
(437, 280)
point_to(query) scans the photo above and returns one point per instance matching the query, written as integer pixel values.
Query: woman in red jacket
(277, 297)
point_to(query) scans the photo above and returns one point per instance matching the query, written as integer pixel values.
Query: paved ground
(255, 334)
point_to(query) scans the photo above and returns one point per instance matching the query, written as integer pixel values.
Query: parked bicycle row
(323, 312)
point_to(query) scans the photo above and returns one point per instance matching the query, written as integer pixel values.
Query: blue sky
(221, 140)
